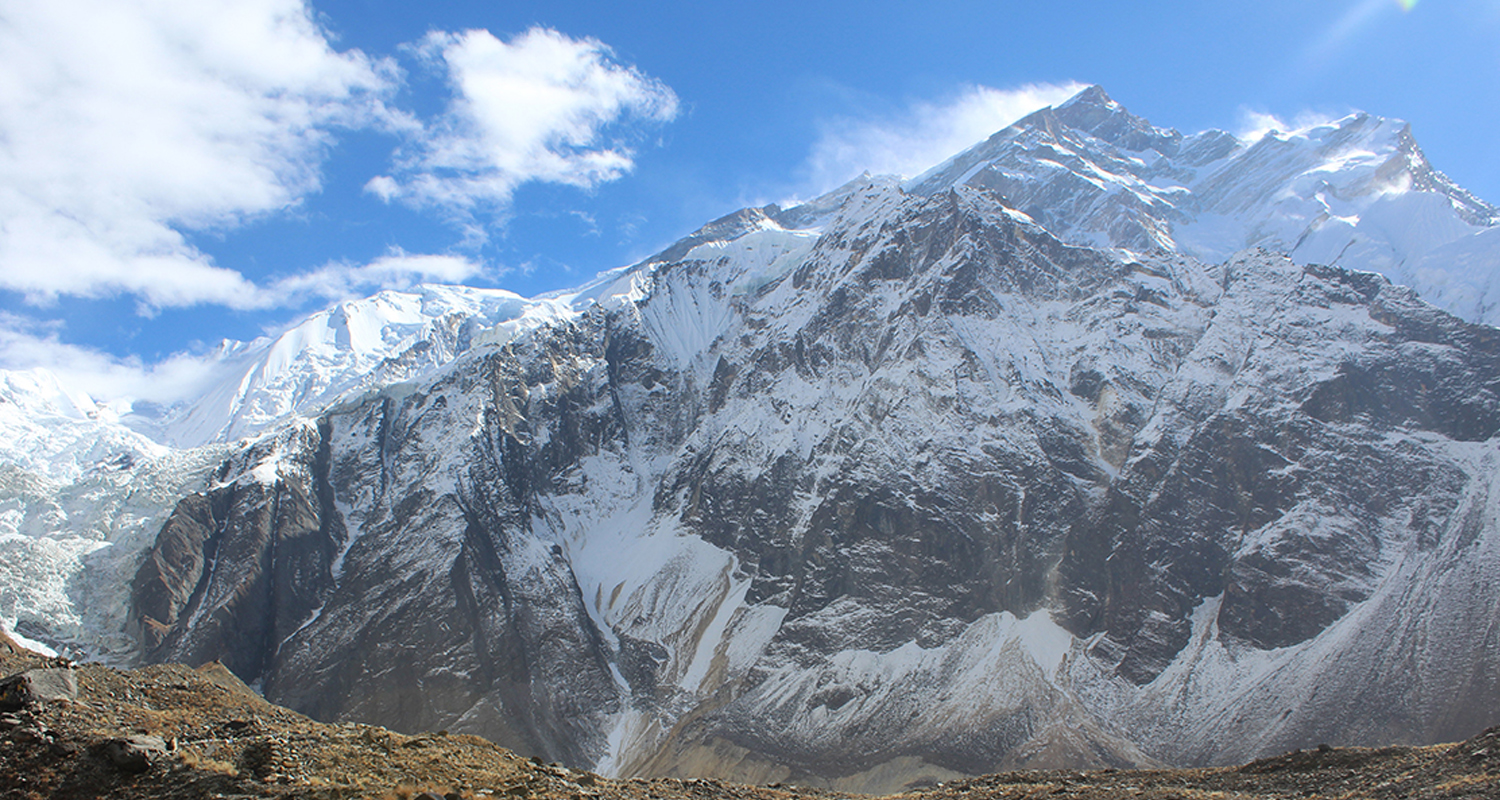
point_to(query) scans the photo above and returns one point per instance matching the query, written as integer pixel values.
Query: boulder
(134, 753)
(36, 685)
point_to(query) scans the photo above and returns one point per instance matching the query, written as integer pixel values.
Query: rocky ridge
(172, 732)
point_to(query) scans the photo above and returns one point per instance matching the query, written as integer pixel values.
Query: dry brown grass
(194, 760)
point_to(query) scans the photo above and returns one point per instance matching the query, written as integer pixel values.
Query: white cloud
(540, 107)
(1255, 124)
(27, 344)
(125, 122)
(395, 270)
(925, 134)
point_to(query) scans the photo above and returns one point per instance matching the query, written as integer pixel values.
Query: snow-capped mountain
(1355, 192)
(356, 345)
(925, 478)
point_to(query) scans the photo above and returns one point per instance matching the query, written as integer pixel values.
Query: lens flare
(1407, 5)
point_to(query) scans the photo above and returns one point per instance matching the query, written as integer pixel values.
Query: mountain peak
(1093, 95)
(1094, 112)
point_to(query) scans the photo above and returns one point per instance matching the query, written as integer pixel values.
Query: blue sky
(176, 172)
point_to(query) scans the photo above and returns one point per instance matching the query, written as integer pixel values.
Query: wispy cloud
(541, 107)
(1254, 123)
(30, 344)
(395, 270)
(924, 134)
(127, 122)
(27, 343)
(126, 125)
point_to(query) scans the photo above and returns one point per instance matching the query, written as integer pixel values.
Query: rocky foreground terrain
(167, 731)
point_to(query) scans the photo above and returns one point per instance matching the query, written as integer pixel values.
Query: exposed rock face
(238, 568)
(930, 492)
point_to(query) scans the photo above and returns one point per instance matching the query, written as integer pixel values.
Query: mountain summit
(1356, 192)
(981, 470)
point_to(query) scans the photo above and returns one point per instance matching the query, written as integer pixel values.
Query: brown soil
(223, 741)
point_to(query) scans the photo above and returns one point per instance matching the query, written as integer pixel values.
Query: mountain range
(1095, 445)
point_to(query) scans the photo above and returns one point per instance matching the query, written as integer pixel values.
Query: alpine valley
(1095, 445)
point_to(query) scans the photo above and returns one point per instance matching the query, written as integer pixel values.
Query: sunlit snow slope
(1355, 192)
